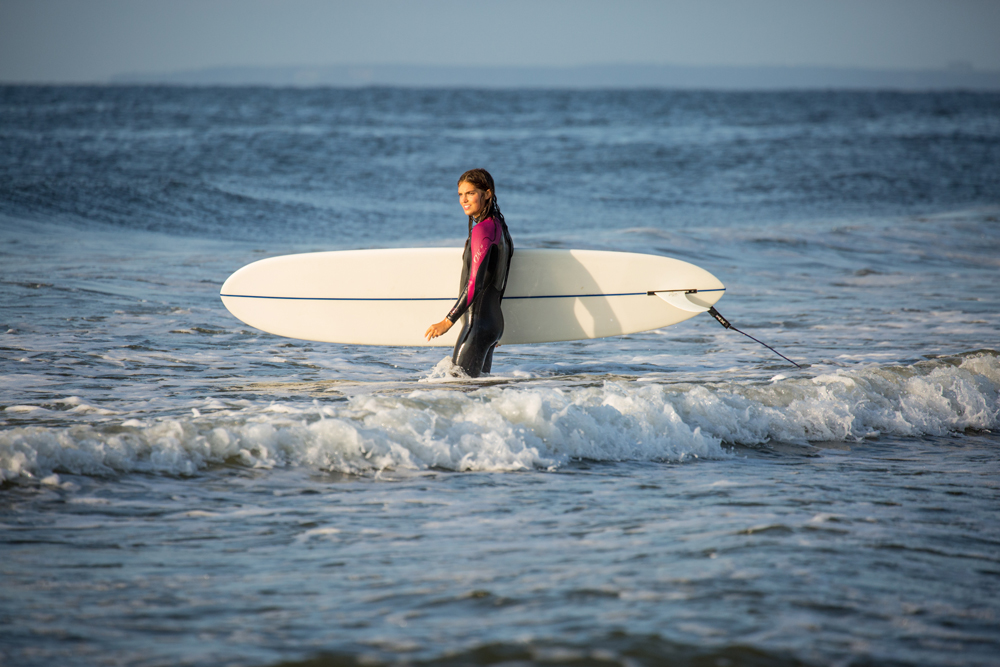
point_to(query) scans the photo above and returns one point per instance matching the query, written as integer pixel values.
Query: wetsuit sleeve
(483, 247)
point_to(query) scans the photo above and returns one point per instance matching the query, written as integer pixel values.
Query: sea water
(179, 488)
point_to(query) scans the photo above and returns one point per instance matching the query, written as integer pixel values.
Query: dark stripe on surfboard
(437, 298)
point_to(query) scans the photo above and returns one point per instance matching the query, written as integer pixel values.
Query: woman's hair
(483, 181)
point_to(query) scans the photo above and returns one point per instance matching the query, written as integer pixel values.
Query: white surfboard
(390, 297)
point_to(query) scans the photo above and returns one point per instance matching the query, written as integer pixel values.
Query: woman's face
(472, 199)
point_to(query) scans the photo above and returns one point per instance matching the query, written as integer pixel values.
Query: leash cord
(724, 322)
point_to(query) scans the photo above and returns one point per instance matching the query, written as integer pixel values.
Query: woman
(484, 276)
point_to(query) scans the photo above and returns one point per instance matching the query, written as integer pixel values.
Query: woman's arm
(482, 245)
(483, 248)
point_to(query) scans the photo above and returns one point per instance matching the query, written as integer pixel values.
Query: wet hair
(482, 180)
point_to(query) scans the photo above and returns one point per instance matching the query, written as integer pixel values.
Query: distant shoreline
(956, 77)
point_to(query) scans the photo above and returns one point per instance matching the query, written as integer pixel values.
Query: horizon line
(956, 75)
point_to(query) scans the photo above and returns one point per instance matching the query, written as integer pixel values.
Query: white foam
(445, 371)
(92, 409)
(928, 399)
(317, 533)
(17, 409)
(525, 426)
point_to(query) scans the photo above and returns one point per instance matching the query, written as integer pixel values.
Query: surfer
(485, 262)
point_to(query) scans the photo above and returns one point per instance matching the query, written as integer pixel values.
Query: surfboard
(391, 296)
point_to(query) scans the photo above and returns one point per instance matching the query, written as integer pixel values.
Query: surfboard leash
(724, 322)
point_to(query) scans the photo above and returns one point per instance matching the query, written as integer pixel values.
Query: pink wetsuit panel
(484, 234)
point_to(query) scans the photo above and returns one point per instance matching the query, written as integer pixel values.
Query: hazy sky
(92, 40)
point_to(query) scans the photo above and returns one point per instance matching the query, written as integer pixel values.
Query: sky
(90, 41)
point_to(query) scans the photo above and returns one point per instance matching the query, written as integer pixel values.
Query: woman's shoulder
(487, 228)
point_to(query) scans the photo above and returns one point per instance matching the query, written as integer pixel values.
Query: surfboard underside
(390, 297)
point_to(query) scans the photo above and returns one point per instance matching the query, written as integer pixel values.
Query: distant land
(959, 76)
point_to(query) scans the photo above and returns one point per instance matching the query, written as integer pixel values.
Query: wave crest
(525, 427)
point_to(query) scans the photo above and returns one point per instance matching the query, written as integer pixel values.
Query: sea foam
(520, 427)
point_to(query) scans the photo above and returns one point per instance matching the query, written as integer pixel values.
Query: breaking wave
(516, 427)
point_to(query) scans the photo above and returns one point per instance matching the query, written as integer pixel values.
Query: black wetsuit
(484, 279)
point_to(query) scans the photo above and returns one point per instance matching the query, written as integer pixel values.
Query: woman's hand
(438, 329)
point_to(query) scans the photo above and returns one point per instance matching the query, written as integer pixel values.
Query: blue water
(178, 488)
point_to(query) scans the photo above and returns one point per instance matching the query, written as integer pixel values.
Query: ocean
(177, 488)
